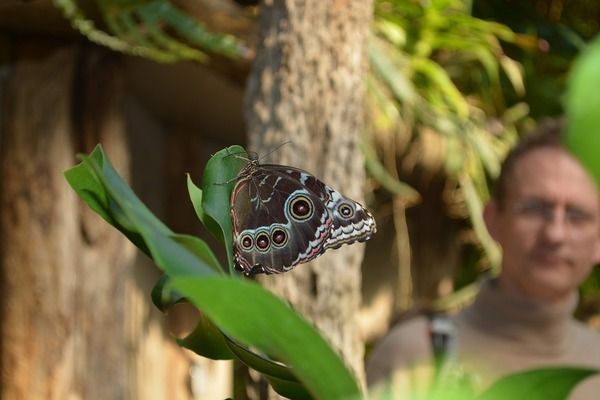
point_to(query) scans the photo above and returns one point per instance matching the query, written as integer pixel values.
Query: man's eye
(577, 216)
(534, 208)
(544, 210)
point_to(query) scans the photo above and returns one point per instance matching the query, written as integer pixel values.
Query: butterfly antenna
(274, 150)
(240, 156)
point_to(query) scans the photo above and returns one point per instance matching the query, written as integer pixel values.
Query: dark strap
(442, 336)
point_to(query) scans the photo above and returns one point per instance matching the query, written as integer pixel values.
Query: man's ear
(490, 217)
(596, 250)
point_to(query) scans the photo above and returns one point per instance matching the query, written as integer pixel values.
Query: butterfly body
(284, 216)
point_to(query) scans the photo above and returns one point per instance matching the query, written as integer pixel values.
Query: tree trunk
(75, 316)
(307, 87)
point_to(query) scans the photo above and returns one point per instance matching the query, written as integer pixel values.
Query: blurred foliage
(590, 296)
(155, 29)
(553, 383)
(437, 96)
(582, 101)
(451, 86)
(562, 28)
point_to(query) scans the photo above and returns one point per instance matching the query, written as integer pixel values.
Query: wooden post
(76, 321)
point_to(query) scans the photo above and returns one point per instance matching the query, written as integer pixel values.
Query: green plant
(582, 105)
(155, 29)
(414, 55)
(265, 333)
(437, 81)
(436, 94)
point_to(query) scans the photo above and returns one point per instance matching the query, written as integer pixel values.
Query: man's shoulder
(585, 343)
(407, 344)
(409, 328)
(586, 334)
(408, 335)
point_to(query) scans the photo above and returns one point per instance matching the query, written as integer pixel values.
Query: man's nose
(555, 226)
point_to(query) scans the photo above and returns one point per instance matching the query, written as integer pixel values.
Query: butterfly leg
(250, 272)
(257, 269)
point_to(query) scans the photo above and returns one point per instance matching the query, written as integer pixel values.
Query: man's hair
(547, 134)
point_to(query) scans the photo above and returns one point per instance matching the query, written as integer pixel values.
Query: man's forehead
(552, 172)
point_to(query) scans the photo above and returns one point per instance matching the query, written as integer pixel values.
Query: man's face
(548, 225)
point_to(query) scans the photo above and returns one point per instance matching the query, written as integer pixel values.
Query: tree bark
(307, 87)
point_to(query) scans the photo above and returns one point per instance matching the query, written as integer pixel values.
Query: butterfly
(283, 216)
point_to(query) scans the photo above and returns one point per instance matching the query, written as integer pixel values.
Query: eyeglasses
(545, 211)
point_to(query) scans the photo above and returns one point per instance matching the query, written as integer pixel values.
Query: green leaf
(514, 72)
(218, 181)
(538, 384)
(207, 340)
(289, 389)
(385, 109)
(258, 319)
(85, 183)
(261, 362)
(382, 62)
(280, 376)
(154, 29)
(200, 249)
(392, 32)
(582, 105)
(89, 185)
(482, 143)
(192, 30)
(163, 297)
(385, 179)
(475, 208)
(99, 185)
(86, 27)
(439, 78)
(196, 197)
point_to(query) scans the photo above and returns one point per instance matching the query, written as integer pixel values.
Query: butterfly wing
(277, 222)
(284, 216)
(351, 221)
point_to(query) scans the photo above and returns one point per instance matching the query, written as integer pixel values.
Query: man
(545, 214)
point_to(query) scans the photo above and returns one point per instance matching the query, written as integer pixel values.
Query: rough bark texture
(306, 87)
(74, 311)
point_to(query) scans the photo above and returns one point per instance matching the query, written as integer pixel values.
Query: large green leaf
(280, 376)
(207, 340)
(258, 319)
(261, 362)
(582, 105)
(163, 297)
(289, 389)
(538, 384)
(99, 184)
